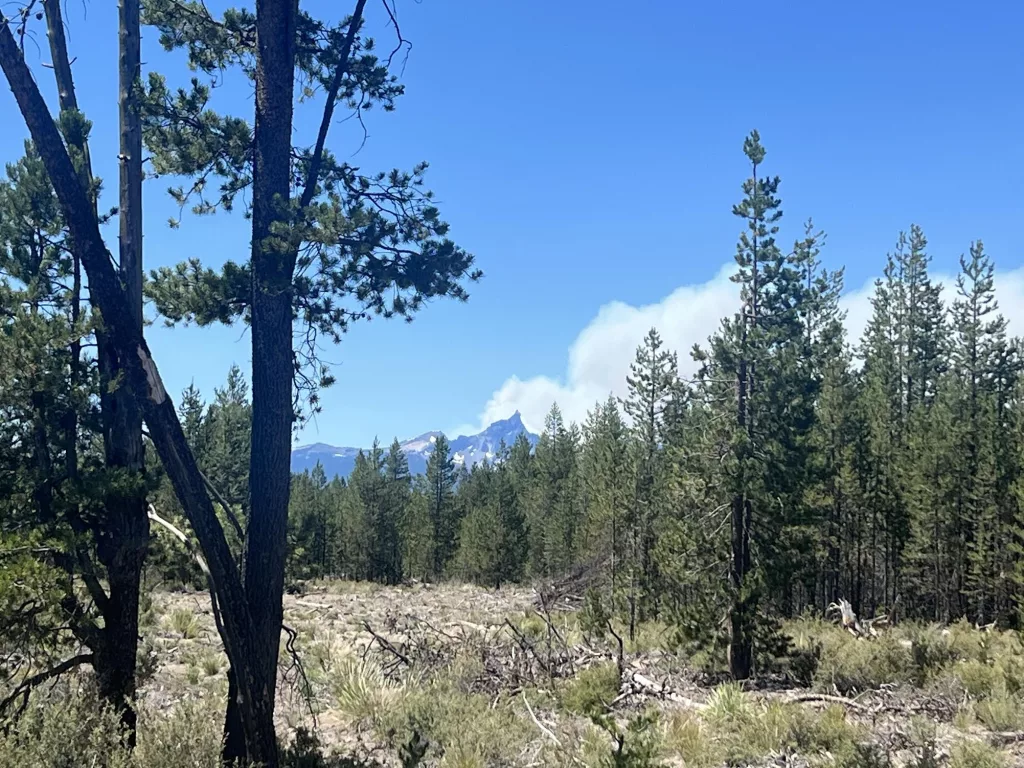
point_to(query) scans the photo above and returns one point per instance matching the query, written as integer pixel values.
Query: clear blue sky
(590, 152)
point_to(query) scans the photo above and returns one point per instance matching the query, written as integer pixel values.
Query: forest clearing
(655, 506)
(479, 677)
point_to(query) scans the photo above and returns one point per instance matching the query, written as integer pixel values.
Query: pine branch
(332, 97)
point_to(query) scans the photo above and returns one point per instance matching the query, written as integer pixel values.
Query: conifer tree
(555, 524)
(766, 474)
(651, 383)
(979, 343)
(418, 534)
(88, 503)
(440, 489)
(604, 473)
(512, 543)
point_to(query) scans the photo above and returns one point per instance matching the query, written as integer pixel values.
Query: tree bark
(143, 381)
(123, 535)
(122, 545)
(273, 262)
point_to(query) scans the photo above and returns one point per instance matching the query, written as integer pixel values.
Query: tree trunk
(123, 536)
(144, 383)
(273, 261)
(123, 549)
(740, 643)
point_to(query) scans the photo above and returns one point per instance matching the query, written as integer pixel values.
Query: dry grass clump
(184, 623)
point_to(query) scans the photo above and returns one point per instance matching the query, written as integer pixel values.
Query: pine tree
(312, 526)
(81, 470)
(556, 513)
(979, 343)
(440, 485)
(417, 533)
(651, 383)
(512, 532)
(883, 510)
(604, 473)
(398, 487)
(761, 348)
(826, 358)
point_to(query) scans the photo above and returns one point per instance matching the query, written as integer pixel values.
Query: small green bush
(189, 734)
(850, 665)
(978, 678)
(804, 662)
(594, 617)
(1000, 712)
(592, 690)
(65, 730)
(146, 661)
(976, 754)
(925, 749)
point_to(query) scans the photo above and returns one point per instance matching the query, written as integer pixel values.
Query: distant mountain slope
(466, 449)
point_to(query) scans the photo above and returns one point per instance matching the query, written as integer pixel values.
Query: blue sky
(589, 154)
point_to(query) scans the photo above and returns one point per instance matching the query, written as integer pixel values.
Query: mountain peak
(467, 450)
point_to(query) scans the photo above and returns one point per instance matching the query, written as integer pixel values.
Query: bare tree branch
(332, 97)
(27, 685)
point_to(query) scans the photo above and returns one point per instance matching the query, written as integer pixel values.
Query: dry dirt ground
(366, 651)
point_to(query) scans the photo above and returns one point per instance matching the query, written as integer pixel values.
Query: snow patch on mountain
(467, 450)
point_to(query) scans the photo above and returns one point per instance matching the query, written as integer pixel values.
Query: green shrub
(467, 728)
(728, 704)
(976, 754)
(863, 755)
(62, 731)
(930, 651)
(830, 732)
(1000, 712)
(70, 728)
(635, 746)
(855, 665)
(978, 678)
(188, 735)
(925, 749)
(742, 731)
(804, 663)
(592, 690)
(146, 661)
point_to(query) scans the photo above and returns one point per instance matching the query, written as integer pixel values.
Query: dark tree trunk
(143, 381)
(123, 535)
(123, 549)
(740, 642)
(273, 261)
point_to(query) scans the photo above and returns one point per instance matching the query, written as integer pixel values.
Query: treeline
(797, 467)
(886, 471)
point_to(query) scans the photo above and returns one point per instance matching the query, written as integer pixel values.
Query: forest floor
(481, 677)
